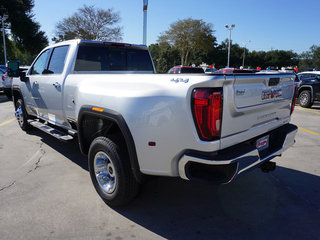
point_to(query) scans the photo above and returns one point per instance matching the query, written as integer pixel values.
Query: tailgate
(256, 101)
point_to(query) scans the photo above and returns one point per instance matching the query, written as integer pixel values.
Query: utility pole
(3, 18)
(244, 52)
(145, 8)
(229, 28)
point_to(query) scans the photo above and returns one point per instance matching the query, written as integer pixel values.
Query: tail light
(3, 77)
(293, 103)
(207, 112)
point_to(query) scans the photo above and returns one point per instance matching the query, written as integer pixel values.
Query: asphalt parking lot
(46, 193)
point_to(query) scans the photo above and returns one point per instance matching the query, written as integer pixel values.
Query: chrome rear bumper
(224, 166)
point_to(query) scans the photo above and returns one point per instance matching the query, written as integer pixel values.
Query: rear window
(192, 70)
(109, 58)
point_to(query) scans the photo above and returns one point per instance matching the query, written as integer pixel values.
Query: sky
(261, 25)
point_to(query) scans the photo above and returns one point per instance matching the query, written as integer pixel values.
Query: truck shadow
(255, 206)
(69, 149)
(283, 204)
(315, 106)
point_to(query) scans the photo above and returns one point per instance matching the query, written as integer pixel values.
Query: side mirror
(23, 77)
(13, 69)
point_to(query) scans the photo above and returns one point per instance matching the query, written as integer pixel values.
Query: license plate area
(262, 143)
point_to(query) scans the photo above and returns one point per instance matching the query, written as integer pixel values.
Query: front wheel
(305, 99)
(111, 173)
(21, 115)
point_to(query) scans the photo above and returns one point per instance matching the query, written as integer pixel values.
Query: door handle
(56, 84)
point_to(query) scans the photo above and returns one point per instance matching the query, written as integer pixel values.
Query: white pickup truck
(132, 122)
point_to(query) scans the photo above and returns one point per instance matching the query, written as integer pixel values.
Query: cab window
(40, 63)
(302, 76)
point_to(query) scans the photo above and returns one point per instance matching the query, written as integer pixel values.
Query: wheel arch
(16, 94)
(104, 121)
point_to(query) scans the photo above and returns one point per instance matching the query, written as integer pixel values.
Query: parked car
(3, 68)
(2, 73)
(7, 81)
(185, 69)
(267, 71)
(234, 70)
(210, 70)
(308, 88)
(7, 84)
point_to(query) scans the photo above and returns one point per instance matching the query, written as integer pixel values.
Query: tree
(90, 23)
(236, 54)
(310, 59)
(273, 59)
(218, 55)
(24, 30)
(190, 37)
(164, 56)
(14, 53)
(280, 58)
(315, 51)
(256, 59)
(305, 61)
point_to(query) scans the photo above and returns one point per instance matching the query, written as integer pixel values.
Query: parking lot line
(307, 110)
(308, 131)
(5, 103)
(7, 122)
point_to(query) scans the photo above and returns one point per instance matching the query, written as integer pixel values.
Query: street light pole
(3, 18)
(244, 52)
(145, 8)
(229, 46)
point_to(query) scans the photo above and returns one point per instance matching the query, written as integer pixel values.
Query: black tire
(116, 170)
(21, 115)
(305, 100)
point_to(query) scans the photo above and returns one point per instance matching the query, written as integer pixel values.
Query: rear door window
(313, 76)
(57, 60)
(308, 77)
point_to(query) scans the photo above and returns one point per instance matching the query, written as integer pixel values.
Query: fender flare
(16, 89)
(119, 120)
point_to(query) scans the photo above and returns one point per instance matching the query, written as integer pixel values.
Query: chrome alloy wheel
(303, 98)
(105, 172)
(19, 115)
